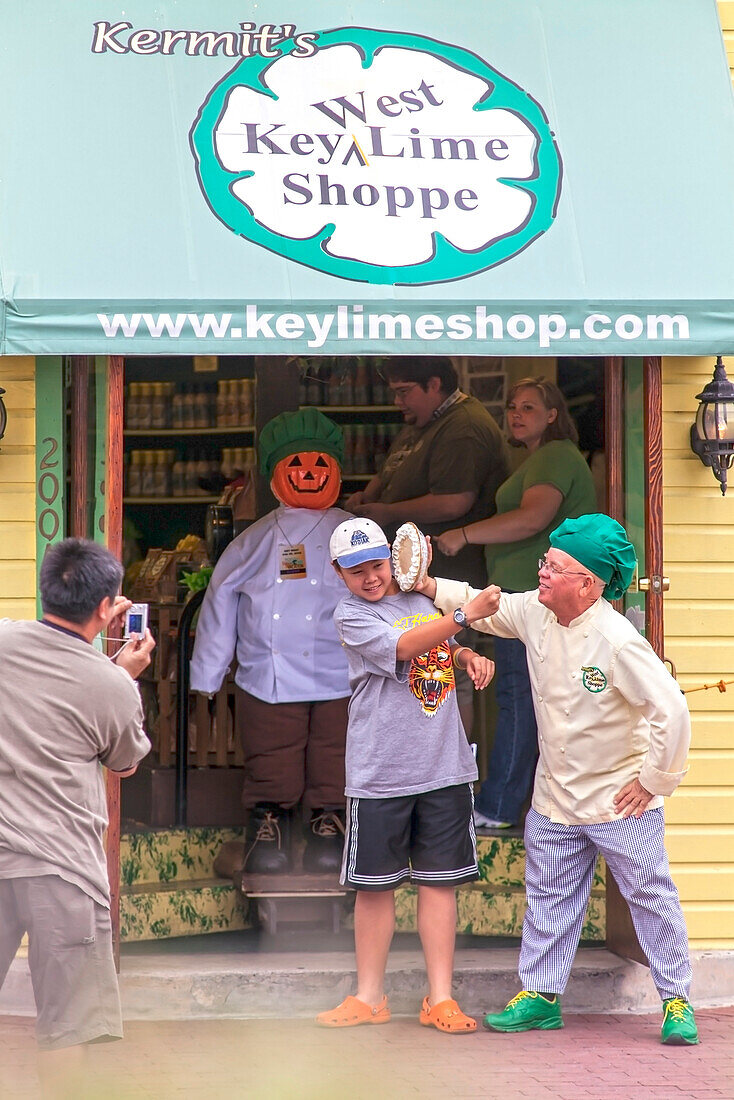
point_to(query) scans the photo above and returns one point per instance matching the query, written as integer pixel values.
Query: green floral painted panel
(502, 862)
(178, 855)
(159, 914)
(484, 912)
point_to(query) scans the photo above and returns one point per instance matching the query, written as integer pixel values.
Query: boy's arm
(419, 639)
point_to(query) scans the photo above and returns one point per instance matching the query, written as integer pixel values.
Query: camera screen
(135, 623)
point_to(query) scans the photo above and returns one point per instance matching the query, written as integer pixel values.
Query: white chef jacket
(281, 628)
(608, 711)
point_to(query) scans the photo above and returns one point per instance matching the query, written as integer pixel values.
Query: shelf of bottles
(166, 410)
(354, 392)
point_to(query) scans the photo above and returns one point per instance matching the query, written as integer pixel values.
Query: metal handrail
(182, 706)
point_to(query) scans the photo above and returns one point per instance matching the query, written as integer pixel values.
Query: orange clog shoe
(446, 1016)
(352, 1012)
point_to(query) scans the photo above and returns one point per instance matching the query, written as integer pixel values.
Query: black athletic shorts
(425, 838)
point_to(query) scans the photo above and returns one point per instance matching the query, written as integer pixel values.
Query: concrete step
(231, 975)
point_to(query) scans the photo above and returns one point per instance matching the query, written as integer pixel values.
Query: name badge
(293, 561)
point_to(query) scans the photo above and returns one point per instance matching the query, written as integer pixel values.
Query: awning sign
(378, 157)
(451, 177)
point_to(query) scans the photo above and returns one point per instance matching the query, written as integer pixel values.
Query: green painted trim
(50, 457)
(634, 469)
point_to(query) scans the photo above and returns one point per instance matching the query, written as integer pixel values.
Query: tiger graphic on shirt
(431, 679)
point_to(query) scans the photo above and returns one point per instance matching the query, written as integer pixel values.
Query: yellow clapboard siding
(709, 707)
(693, 843)
(21, 537)
(698, 547)
(19, 394)
(701, 580)
(711, 734)
(701, 618)
(699, 806)
(684, 544)
(691, 658)
(18, 465)
(701, 506)
(21, 431)
(17, 367)
(709, 920)
(17, 609)
(705, 882)
(17, 579)
(726, 14)
(710, 769)
(686, 472)
(17, 503)
(680, 396)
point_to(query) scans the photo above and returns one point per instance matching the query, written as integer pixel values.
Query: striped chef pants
(559, 871)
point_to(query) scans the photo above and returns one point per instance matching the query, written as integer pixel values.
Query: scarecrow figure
(270, 602)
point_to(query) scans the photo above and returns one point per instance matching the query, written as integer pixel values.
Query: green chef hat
(601, 544)
(291, 432)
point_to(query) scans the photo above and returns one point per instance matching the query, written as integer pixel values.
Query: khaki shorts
(70, 958)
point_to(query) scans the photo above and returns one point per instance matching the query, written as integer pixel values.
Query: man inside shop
(442, 471)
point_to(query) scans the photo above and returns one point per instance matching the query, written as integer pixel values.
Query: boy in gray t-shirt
(409, 771)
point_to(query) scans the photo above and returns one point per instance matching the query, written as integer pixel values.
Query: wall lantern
(712, 435)
(3, 414)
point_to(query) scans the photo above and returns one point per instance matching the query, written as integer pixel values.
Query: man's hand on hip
(632, 800)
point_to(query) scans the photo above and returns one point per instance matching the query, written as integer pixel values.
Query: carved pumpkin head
(301, 454)
(309, 479)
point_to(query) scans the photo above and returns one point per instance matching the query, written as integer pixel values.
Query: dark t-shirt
(462, 451)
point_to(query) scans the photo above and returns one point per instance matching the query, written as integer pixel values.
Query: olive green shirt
(514, 565)
(461, 451)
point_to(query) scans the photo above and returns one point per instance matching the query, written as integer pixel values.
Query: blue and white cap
(358, 540)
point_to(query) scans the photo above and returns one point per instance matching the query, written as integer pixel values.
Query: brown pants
(293, 751)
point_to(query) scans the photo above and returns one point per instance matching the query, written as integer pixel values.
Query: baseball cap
(358, 540)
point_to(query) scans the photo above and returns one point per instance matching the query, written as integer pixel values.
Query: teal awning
(490, 177)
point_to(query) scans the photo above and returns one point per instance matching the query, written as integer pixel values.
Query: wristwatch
(460, 617)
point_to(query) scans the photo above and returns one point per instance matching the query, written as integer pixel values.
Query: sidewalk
(594, 1058)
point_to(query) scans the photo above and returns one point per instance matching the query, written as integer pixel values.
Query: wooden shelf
(353, 408)
(170, 500)
(243, 429)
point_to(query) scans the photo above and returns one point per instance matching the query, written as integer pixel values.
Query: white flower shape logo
(393, 164)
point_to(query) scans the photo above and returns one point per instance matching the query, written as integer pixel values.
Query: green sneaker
(526, 1012)
(679, 1023)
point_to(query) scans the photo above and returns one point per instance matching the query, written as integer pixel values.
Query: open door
(634, 435)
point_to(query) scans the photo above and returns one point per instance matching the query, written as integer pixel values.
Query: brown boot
(267, 840)
(323, 852)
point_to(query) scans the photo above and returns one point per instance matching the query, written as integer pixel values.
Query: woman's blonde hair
(563, 426)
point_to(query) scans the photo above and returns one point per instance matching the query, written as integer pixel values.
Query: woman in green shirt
(554, 483)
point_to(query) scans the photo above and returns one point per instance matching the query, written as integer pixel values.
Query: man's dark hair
(411, 368)
(76, 575)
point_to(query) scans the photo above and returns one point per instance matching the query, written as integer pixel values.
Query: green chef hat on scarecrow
(291, 432)
(600, 544)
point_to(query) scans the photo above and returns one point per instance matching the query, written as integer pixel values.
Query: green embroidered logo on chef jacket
(593, 679)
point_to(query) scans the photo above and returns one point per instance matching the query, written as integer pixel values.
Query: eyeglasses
(554, 571)
(401, 392)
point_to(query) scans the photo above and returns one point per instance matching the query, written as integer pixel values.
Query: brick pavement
(594, 1058)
